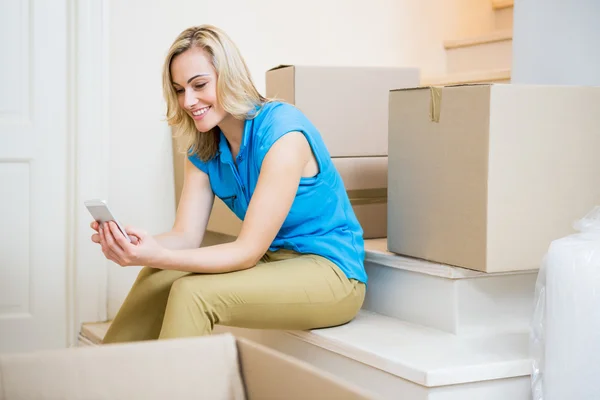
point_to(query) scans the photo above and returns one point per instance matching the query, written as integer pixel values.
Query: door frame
(89, 158)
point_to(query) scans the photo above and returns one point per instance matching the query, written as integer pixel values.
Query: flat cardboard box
(365, 179)
(348, 105)
(486, 176)
(217, 367)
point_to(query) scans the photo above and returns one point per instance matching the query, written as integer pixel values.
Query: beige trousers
(285, 290)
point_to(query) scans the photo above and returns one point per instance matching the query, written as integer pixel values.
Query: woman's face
(195, 82)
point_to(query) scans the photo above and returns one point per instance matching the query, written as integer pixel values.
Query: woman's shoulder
(277, 116)
(275, 119)
(275, 110)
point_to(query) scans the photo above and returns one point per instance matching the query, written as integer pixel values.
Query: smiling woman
(298, 260)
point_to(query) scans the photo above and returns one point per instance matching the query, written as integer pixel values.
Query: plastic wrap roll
(566, 324)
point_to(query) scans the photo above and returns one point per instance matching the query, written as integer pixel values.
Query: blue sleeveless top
(321, 220)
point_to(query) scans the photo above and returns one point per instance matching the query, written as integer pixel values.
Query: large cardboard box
(486, 176)
(365, 179)
(348, 105)
(219, 367)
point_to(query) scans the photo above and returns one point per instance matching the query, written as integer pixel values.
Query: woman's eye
(179, 91)
(199, 86)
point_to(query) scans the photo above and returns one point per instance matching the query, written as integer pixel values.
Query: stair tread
(497, 36)
(94, 331)
(500, 4)
(467, 77)
(376, 252)
(424, 355)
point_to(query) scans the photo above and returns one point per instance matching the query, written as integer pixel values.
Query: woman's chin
(203, 128)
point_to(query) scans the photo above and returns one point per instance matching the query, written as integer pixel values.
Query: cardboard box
(348, 105)
(365, 179)
(486, 176)
(215, 367)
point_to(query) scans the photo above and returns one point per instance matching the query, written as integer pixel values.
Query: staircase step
(483, 53)
(91, 334)
(500, 4)
(495, 76)
(399, 348)
(397, 359)
(452, 299)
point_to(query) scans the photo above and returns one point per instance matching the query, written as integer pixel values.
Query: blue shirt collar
(224, 152)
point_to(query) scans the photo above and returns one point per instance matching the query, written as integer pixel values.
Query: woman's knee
(145, 273)
(156, 280)
(190, 288)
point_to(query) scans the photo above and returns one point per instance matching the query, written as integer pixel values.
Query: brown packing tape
(435, 104)
(359, 197)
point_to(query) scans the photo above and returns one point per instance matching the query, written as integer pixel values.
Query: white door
(33, 174)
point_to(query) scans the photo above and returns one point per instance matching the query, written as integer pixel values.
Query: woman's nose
(190, 99)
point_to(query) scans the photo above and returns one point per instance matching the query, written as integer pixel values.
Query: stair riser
(500, 304)
(469, 306)
(481, 57)
(383, 384)
(503, 19)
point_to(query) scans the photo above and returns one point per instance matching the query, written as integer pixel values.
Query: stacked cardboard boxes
(349, 107)
(486, 176)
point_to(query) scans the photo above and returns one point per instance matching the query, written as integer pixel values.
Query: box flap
(269, 374)
(164, 369)
(435, 96)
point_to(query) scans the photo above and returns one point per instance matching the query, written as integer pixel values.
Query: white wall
(268, 32)
(556, 42)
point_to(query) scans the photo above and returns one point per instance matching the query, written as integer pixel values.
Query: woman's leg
(140, 317)
(285, 291)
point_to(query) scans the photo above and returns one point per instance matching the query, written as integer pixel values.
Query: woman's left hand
(118, 249)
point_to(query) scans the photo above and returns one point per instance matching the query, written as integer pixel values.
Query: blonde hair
(236, 92)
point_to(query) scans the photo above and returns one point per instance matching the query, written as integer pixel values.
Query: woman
(298, 260)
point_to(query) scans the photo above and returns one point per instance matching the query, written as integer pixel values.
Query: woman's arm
(193, 212)
(272, 199)
(275, 192)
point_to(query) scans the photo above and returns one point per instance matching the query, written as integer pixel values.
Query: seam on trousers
(319, 304)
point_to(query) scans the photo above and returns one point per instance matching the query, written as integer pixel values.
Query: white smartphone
(101, 213)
